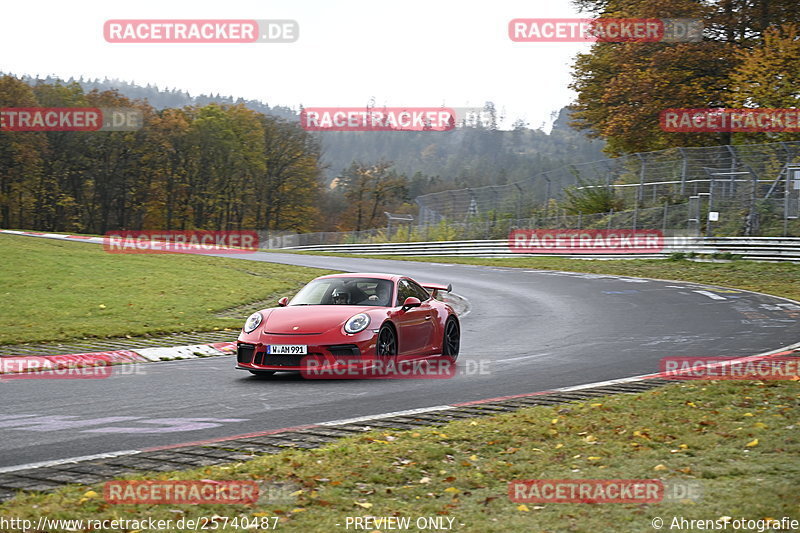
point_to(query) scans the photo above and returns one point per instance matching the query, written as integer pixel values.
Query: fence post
(786, 194)
(640, 189)
(734, 164)
(684, 167)
(751, 225)
(709, 225)
(546, 197)
(519, 199)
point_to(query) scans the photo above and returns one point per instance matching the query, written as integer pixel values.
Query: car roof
(391, 277)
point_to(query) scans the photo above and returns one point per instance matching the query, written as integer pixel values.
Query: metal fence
(698, 248)
(749, 189)
(642, 178)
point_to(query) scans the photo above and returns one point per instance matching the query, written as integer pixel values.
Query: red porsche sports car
(345, 319)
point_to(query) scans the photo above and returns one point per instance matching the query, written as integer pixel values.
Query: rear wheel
(387, 341)
(452, 339)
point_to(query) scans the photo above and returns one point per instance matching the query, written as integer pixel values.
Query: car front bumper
(251, 352)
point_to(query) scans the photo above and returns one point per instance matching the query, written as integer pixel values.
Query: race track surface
(531, 330)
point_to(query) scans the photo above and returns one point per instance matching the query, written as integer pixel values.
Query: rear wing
(434, 288)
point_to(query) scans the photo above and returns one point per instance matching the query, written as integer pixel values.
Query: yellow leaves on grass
(509, 450)
(88, 495)
(752, 444)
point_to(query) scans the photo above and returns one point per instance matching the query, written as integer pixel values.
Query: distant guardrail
(752, 248)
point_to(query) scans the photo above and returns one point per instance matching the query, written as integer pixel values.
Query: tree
(20, 159)
(623, 87)
(61, 188)
(371, 190)
(290, 185)
(768, 75)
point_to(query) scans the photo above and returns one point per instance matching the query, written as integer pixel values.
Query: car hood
(308, 319)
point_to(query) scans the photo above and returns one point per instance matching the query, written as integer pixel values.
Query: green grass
(737, 440)
(52, 290)
(779, 279)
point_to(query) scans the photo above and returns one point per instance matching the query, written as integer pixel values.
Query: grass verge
(737, 440)
(54, 290)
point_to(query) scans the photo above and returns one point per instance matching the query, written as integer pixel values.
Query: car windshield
(346, 291)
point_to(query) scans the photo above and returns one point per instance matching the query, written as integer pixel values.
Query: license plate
(287, 349)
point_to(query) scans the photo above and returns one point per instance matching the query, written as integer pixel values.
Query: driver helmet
(384, 293)
(340, 297)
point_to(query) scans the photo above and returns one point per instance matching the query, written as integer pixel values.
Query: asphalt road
(530, 330)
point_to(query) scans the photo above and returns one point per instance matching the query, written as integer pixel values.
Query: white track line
(386, 415)
(57, 462)
(711, 295)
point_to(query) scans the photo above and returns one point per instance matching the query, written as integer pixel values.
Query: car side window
(404, 290)
(419, 292)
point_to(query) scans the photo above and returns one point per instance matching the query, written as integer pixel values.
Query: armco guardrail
(753, 248)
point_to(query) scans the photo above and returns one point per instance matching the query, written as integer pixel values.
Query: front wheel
(452, 339)
(387, 341)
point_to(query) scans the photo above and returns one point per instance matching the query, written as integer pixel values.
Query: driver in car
(340, 297)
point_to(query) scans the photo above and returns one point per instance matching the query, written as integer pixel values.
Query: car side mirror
(411, 302)
(283, 302)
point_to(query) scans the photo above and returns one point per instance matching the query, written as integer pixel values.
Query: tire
(262, 373)
(387, 342)
(452, 338)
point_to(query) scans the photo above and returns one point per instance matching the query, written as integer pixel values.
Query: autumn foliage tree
(768, 75)
(215, 167)
(370, 190)
(21, 161)
(622, 87)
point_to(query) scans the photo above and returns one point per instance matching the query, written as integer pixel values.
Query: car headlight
(356, 323)
(252, 322)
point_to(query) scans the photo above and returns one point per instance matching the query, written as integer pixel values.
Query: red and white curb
(28, 363)
(152, 244)
(59, 236)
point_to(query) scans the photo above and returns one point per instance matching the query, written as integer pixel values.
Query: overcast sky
(411, 53)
